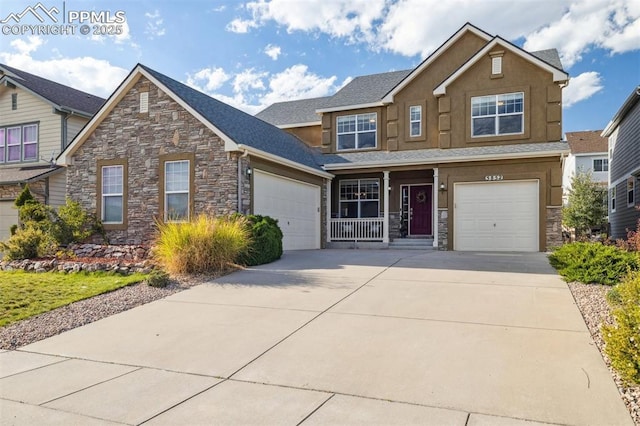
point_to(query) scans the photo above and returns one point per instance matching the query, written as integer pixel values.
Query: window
(497, 114)
(612, 196)
(14, 101)
(359, 198)
(631, 186)
(112, 194)
(415, 121)
(19, 143)
(357, 131)
(600, 164)
(176, 190)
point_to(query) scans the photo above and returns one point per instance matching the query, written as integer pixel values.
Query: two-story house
(465, 150)
(38, 119)
(589, 154)
(623, 132)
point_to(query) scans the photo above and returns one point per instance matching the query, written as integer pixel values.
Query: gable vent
(144, 102)
(496, 65)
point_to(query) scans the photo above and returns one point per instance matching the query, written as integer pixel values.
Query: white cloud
(581, 87)
(297, 82)
(273, 51)
(221, 8)
(155, 24)
(213, 78)
(85, 73)
(241, 26)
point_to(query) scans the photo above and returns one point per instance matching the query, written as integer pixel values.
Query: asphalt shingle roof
(241, 127)
(366, 89)
(293, 112)
(25, 174)
(549, 56)
(434, 155)
(57, 93)
(587, 142)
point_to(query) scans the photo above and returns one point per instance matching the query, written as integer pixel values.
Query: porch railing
(366, 229)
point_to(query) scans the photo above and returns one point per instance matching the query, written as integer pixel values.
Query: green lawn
(23, 295)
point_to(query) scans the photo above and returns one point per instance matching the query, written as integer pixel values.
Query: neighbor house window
(612, 196)
(359, 198)
(112, 194)
(19, 143)
(601, 165)
(357, 131)
(14, 101)
(415, 121)
(631, 187)
(176, 190)
(497, 114)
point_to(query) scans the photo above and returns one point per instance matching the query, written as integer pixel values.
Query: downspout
(244, 155)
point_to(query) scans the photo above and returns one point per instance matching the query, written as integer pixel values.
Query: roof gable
(558, 74)
(239, 130)
(587, 142)
(62, 97)
(628, 104)
(296, 113)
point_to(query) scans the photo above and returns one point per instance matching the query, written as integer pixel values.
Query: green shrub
(593, 263)
(266, 241)
(24, 196)
(158, 279)
(623, 339)
(28, 243)
(75, 224)
(204, 245)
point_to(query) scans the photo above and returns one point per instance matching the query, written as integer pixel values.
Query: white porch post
(385, 226)
(328, 207)
(436, 187)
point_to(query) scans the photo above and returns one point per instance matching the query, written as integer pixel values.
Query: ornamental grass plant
(204, 245)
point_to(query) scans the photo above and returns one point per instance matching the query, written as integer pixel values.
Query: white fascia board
(592, 154)
(444, 47)
(279, 160)
(350, 107)
(558, 75)
(442, 160)
(292, 125)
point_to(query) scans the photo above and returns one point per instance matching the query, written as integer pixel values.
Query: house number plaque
(494, 177)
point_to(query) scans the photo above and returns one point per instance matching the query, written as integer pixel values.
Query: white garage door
(496, 216)
(8, 217)
(295, 204)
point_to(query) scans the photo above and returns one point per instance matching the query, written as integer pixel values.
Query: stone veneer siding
(142, 139)
(11, 192)
(554, 227)
(443, 229)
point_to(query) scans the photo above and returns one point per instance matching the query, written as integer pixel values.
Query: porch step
(411, 244)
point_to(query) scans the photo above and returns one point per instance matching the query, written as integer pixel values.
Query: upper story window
(497, 114)
(359, 198)
(612, 198)
(112, 194)
(357, 131)
(631, 187)
(14, 101)
(19, 143)
(176, 190)
(415, 121)
(600, 164)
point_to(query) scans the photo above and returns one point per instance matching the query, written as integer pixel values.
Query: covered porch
(381, 206)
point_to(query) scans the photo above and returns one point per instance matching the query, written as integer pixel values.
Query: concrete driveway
(330, 337)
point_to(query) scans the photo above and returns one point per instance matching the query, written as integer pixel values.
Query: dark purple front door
(420, 210)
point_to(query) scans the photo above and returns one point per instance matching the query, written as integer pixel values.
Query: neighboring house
(623, 132)
(589, 154)
(463, 152)
(158, 150)
(38, 118)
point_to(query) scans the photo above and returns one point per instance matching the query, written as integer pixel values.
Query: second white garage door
(496, 216)
(295, 204)
(8, 217)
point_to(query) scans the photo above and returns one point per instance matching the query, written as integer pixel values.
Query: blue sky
(251, 54)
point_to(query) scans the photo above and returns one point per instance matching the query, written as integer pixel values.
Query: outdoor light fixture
(249, 171)
(442, 187)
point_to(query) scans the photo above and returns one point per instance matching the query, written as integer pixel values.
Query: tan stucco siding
(311, 135)
(32, 109)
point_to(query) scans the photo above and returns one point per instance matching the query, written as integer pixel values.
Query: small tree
(587, 205)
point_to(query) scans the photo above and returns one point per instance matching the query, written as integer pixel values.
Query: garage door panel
(496, 216)
(295, 204)
(8, 217)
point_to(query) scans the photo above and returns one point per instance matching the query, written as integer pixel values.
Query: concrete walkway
(330, 337)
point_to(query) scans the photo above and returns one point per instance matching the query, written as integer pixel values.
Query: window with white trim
(112, 194)
(19, 143)
(359, 198)
(176, 191)
(631, 188)
(600, 164)
(415, 121)
(496, 65)
(357, 131)
(612, 197)
(497, 114)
